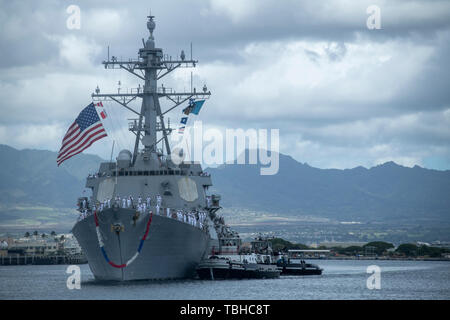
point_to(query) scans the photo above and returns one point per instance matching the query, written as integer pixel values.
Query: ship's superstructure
(149, 216)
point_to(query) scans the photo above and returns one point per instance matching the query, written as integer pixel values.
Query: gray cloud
(310, 68)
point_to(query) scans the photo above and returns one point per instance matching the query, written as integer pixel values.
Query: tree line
(378, 248)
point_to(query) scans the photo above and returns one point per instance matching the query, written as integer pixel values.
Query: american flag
(86, 129)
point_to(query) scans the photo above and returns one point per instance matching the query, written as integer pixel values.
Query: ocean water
(340, 280)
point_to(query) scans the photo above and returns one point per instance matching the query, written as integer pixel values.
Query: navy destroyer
(149, 215)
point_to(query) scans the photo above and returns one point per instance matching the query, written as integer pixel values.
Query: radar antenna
(150, 67)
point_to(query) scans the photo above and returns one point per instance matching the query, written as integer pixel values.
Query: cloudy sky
(342, 95)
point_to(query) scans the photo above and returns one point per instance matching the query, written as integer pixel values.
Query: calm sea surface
(340, 280)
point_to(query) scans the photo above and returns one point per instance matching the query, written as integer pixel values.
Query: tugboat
(219, 267)
(291, 265)
(229, 263)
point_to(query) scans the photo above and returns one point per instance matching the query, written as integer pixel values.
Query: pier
(17, 259)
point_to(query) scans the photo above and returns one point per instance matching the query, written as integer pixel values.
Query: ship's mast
(151, 66)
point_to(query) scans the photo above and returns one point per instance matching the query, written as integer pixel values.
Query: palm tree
(27, 234)
(35, 233)
(53, 233)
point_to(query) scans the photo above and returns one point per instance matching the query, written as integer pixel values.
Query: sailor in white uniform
(158, 200)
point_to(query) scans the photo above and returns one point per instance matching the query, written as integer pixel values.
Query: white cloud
(31, 136)
(280, 80)
(236, 10)
(78, 53)
(104, 22)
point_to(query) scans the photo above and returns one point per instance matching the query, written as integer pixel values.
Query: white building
(61, 243)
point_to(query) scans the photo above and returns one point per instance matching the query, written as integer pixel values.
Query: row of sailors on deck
(104, 174)
(97, 175)
(122, 202)
(195, 218)
(128, 202)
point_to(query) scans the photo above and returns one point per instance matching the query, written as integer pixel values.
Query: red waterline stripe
(117, 266)
(95, 218)
(148, 226)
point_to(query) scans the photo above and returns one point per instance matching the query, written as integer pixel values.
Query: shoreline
(379, 258)
(67, 260)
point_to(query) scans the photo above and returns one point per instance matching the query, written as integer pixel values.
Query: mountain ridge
(32, 177)
(381, 193)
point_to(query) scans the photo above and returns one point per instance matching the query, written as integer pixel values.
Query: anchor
(117, 227)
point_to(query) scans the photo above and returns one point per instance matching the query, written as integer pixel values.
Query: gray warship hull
(172, 249)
